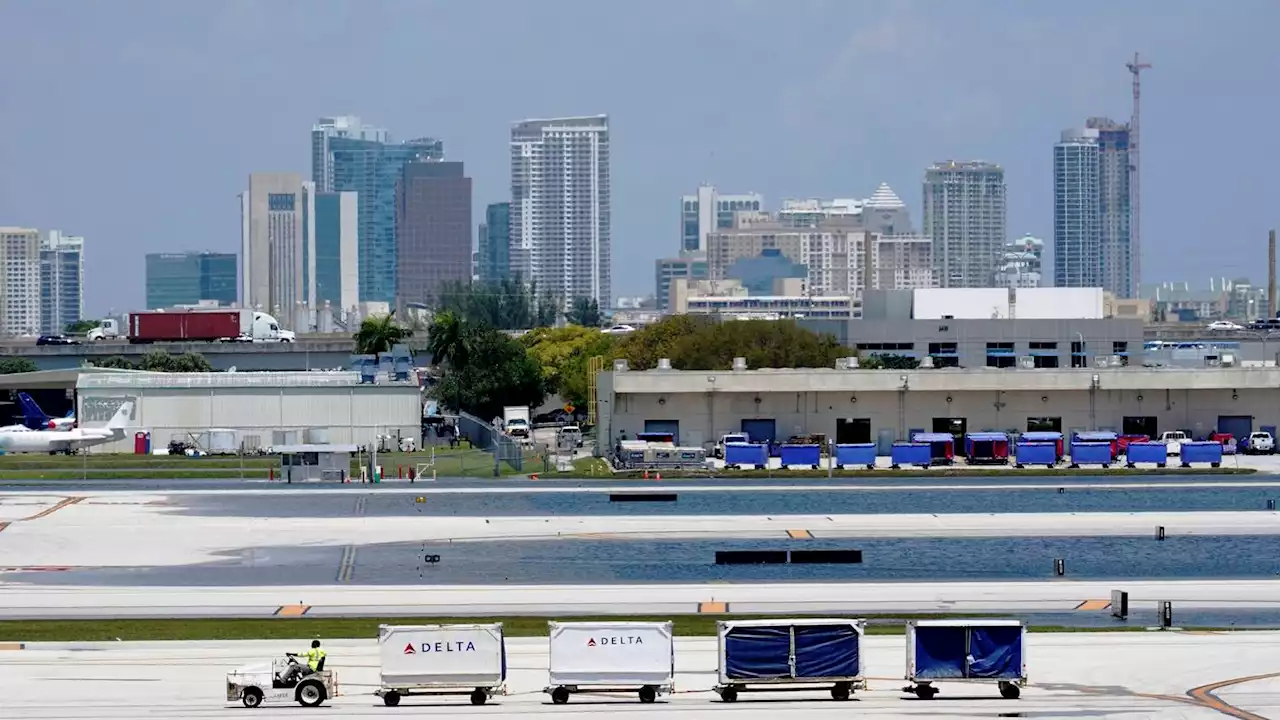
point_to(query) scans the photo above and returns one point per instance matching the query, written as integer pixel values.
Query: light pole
(1264, 336)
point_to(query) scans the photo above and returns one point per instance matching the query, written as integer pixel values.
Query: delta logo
(615, 640)
(442, 647)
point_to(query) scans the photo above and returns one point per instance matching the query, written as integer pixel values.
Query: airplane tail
(120, 420)
(32, 416)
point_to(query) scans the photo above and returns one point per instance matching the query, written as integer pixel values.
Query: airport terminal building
(882, 406)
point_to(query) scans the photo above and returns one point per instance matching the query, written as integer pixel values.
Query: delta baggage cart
(793, 654)
(595, 657)
(966, 651)
(442, 660)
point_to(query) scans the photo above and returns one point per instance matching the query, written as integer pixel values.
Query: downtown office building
(965, 214)
(1092, 209)
(560, 207)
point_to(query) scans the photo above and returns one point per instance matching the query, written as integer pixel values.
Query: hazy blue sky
(136, 122)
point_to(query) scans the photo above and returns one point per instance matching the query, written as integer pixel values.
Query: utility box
(588, 657)
(791, 654)
(442, 660)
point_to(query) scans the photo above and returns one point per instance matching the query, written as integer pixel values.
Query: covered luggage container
(1090, 453)
(741, 454)
(910, 453)
(1147, 452)
(787, 655)
(442, 660)
(1035, 453)
(1046, 436)
(807, 455)
(856, 454)
(610, 657)
(942, 446)
(1201, 451)
(966, 651)
(1105, 436)
(986, 448)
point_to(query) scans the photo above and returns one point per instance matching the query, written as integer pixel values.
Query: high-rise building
(885, 213)
(433, 226)
(494, 243)
(20, 283)
(667, 270)
(560, 206)
(191, 278)
(61, 281)
(708, 211)
(277, 239)
(1116, 207)
(333, 271)
(347, 156)
(965, 215)
(1077, 210)
(815, 211)
(1022, 263)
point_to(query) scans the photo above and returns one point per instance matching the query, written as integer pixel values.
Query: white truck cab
(1173, 440)
(1261, 443)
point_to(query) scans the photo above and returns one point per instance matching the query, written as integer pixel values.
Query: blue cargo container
(792, 455)
(737, 455)
(966, 651)
(1036, 453)
(856, 454)
(909, 453)
(1203, 451)
(779, 655)
(1040, 436)
(1105, 436)
(1091, 453)
(942, 446)
(986, 447)
(1148, 452)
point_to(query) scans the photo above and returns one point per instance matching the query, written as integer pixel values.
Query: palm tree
(446, 339)
(378, 333)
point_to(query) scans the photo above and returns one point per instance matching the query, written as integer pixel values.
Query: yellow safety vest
(314, 655)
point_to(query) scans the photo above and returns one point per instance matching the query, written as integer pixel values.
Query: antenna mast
(1135, 196)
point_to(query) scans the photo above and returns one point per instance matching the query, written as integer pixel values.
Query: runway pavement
(1090, 675)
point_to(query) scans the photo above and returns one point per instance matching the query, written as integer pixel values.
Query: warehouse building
(250, 410)
(882, 406)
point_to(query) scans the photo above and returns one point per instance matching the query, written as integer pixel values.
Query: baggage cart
(740, 454)
(942, 446)
(1039, 436)
(442, 660)
(854, 454)
(1105, 436)
(790, 655)
(989, 448)
(1036, 453)
(910, 453)
(966, 651)
(1147, 452)
(610, 657)
(806, 455)
(1091, 453)
(1201, 451)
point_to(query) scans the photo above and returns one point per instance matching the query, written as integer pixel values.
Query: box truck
(442, 660)
(611, 657)
(966, 651)
(779, 655)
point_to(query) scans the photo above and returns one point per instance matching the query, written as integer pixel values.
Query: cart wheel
(252, 697)
(648, 694)
(926, 692)
(391, 699)
(1215, 464)
(729, 694)
(1009, 691)
(479, 696)
(310, 694)
(841, 691)
(560, 695)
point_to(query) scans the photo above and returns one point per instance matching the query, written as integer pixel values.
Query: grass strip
(29, 631)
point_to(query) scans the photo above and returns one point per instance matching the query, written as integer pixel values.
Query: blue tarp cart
(1035, 453)
(966, 651)
(910, 453)
(1147, 452)
(1201, 451)
(942, 446)
(1091, 453)
(807, 455)
(989, 448)
(1042, 436)
(1105, 436)
(792, 654)
(855, 454)
(737, 455)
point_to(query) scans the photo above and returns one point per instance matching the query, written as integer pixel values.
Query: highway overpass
(323, 351)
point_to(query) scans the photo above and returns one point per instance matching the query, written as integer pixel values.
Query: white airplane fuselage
(54, 441)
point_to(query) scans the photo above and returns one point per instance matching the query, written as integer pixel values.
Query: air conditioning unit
(926, 362)
(664, 363)
(620, 365)
(1027, 362)
(1100, 361)
(1116, 361)
(739, 363)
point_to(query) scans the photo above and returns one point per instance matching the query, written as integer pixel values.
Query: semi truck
(226, 325)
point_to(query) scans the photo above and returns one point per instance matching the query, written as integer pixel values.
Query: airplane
(36, 419)
(67, 441)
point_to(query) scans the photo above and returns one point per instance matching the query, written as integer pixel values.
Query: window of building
(1001, 355)
(1121, 348)
(1079, 357)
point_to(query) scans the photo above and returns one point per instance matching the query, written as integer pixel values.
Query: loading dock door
(1238, 425)
(956, 426)
(1044, 424)
(853, 430)
(664, 426)
(761, 430)
(1140, 425)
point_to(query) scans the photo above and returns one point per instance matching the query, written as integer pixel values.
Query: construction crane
(1135, 196)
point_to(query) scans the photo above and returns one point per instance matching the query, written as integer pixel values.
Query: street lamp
(1263, 335)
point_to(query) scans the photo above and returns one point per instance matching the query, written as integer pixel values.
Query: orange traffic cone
(657, 476)
(534, 476)
(645, 476)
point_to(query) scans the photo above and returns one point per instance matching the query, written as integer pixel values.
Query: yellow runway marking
(713, 607)
(1094, 605)
(1204, 697)
(799, 534)
(292, 610)
(65, 502)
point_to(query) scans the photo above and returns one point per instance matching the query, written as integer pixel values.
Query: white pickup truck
(1173, 440)
(1260, 443)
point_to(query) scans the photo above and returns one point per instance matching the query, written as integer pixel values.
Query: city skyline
(817, 146)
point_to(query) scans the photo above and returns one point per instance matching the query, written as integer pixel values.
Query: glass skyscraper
(1092, 209)
(336, 269)
(353, 158)
(61, 282)
(495, 243)
(188, 278)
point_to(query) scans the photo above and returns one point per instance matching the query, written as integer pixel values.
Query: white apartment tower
(709, 211)
(560, 206)
(20, 284)
(965, 216)
(278, 242)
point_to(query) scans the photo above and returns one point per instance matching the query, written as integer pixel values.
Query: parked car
(56, 340)
(1260, 443)
(729, 438)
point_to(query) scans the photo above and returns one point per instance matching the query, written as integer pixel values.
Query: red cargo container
(190, 326)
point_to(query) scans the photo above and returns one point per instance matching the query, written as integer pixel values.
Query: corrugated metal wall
(353, 414)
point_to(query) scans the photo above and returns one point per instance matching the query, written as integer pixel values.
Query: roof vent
(620, 365)
(739, 363)
(664, 363)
